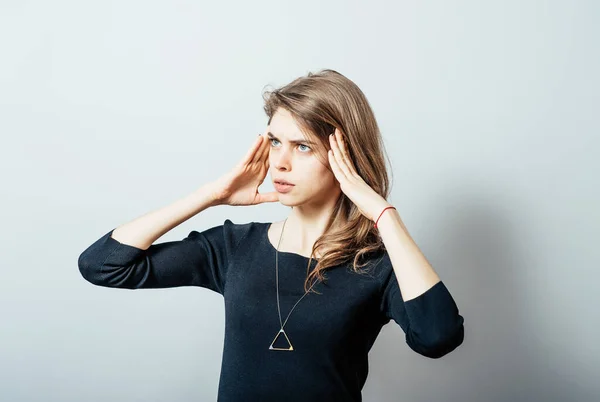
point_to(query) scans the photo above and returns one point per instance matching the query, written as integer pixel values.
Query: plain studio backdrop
(111, 109)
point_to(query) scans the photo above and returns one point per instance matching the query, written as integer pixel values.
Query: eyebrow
(271, 136)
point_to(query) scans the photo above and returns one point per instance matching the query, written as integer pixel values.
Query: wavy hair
(319, 103)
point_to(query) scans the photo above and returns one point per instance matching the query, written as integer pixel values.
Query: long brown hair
(321, 102)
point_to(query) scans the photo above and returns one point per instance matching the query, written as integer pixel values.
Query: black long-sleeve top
(331, 332)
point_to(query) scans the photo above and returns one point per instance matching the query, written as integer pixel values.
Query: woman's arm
(126, 258)
(146, 229)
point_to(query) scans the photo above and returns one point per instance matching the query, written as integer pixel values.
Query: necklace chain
(277, 280)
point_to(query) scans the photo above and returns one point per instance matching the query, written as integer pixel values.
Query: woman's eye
(300, 145)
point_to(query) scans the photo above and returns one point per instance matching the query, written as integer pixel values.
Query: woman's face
(293, 158)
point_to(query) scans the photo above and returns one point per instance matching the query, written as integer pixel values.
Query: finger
(335, 167)
(344, 151)
(267, 197)
(343, 157)
(266, 150)
(338, 158)
(252, 151)
(259, 154)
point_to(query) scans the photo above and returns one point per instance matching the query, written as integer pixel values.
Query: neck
(305, 225)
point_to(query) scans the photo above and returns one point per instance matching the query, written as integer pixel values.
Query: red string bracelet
(382, 214)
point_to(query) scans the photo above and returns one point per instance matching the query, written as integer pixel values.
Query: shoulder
(229, 232)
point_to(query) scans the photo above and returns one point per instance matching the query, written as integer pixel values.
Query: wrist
(385, 209)
(207, 195)
(376, 210)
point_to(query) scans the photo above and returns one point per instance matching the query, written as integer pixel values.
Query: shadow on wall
(478, 248)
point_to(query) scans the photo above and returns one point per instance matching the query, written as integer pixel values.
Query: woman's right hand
(240, 185)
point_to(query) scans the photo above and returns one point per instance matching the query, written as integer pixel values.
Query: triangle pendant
(286, 338)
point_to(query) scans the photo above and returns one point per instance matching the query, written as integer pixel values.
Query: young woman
(305, 298)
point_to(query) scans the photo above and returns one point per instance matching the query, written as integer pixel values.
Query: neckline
(267, 225)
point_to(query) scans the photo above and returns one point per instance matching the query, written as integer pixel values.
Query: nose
(281, 159)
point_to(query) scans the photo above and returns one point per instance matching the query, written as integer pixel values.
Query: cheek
(322, 176)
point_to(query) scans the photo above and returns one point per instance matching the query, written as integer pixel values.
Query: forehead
(283, 125)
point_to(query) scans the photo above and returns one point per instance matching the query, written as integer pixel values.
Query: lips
(284, 182)
(283, 188)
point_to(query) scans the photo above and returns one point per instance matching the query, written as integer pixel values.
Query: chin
(290, 201)
(285, 200)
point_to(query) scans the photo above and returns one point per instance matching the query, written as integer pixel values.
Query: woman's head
(311, 107)
(297, 158)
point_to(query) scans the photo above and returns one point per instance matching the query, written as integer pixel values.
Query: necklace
(282, 331)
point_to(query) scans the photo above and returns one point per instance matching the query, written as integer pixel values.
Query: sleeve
(431, 321)
(200, 259)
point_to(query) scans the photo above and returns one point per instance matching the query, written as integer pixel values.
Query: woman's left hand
(368, 202)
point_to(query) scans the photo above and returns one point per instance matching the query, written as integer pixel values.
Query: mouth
(283, 187)
(283, 182)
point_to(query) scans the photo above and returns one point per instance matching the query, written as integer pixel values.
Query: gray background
(112, 109)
